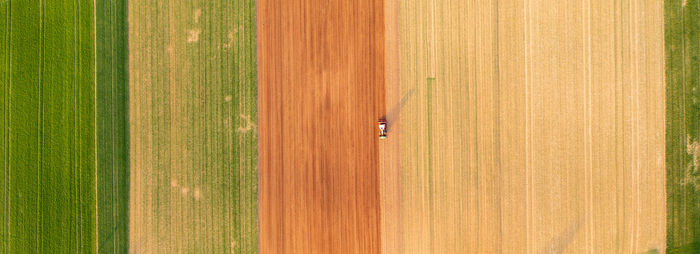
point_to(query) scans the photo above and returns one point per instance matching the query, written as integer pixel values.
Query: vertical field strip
(39, 229)
(76, 130)
(187, 93)
(429, 134)
(5, 78)
(88, 132)
(25, 59)
(111, 120)
(46, 199)
(4, 45)
(548, 53)
(682, 39)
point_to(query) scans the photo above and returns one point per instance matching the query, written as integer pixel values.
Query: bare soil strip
(321, 93)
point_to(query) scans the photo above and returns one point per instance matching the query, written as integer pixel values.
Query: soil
(321, 83)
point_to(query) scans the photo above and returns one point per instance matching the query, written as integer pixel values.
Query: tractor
(382, 128)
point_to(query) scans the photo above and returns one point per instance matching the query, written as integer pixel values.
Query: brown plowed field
(320, 94)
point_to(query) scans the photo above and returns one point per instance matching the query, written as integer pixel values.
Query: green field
(193, 126)
(112, 127)
(57, 146)
(48, 143)
(65, 135)
(682, 31)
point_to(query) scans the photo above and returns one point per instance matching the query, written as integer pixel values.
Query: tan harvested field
(193, 119)
(532, 126)
(321, 92)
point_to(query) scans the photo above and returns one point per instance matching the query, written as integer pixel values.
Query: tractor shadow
(561, 242)
(393, 116)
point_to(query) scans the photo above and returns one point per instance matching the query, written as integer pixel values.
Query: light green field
(193, 127)
(51, 127)
(48, 141)
(682, 31)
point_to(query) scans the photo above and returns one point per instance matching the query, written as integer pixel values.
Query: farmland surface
(683, 124)
(48, 132)
(321, 93)
(49, 163)
(193, 127)
(525, 127)
(112, 126)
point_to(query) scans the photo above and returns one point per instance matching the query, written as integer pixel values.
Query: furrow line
(6, 148)
(9, 124)
(39, 226)
(76, 139)
(115, 172)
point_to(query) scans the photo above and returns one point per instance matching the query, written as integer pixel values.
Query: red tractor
(382, 128)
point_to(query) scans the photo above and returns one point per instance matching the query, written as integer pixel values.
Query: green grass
(682, 32)
(112, 126)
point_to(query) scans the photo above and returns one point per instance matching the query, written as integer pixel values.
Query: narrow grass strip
(682, 38)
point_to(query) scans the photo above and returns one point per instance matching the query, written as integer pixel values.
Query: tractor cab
(382, 129)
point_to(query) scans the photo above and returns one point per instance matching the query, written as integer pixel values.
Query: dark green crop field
(48, 105)
(682, 31)
(112, 127)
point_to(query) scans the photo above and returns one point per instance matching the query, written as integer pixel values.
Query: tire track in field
(9, 123)
(115, 179)
(6, 144)
(41, 127)
(115, 169)
(76, 131)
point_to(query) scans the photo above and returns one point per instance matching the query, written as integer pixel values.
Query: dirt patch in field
(320, 88)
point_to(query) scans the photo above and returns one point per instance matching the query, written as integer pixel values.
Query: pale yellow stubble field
(529, 126)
